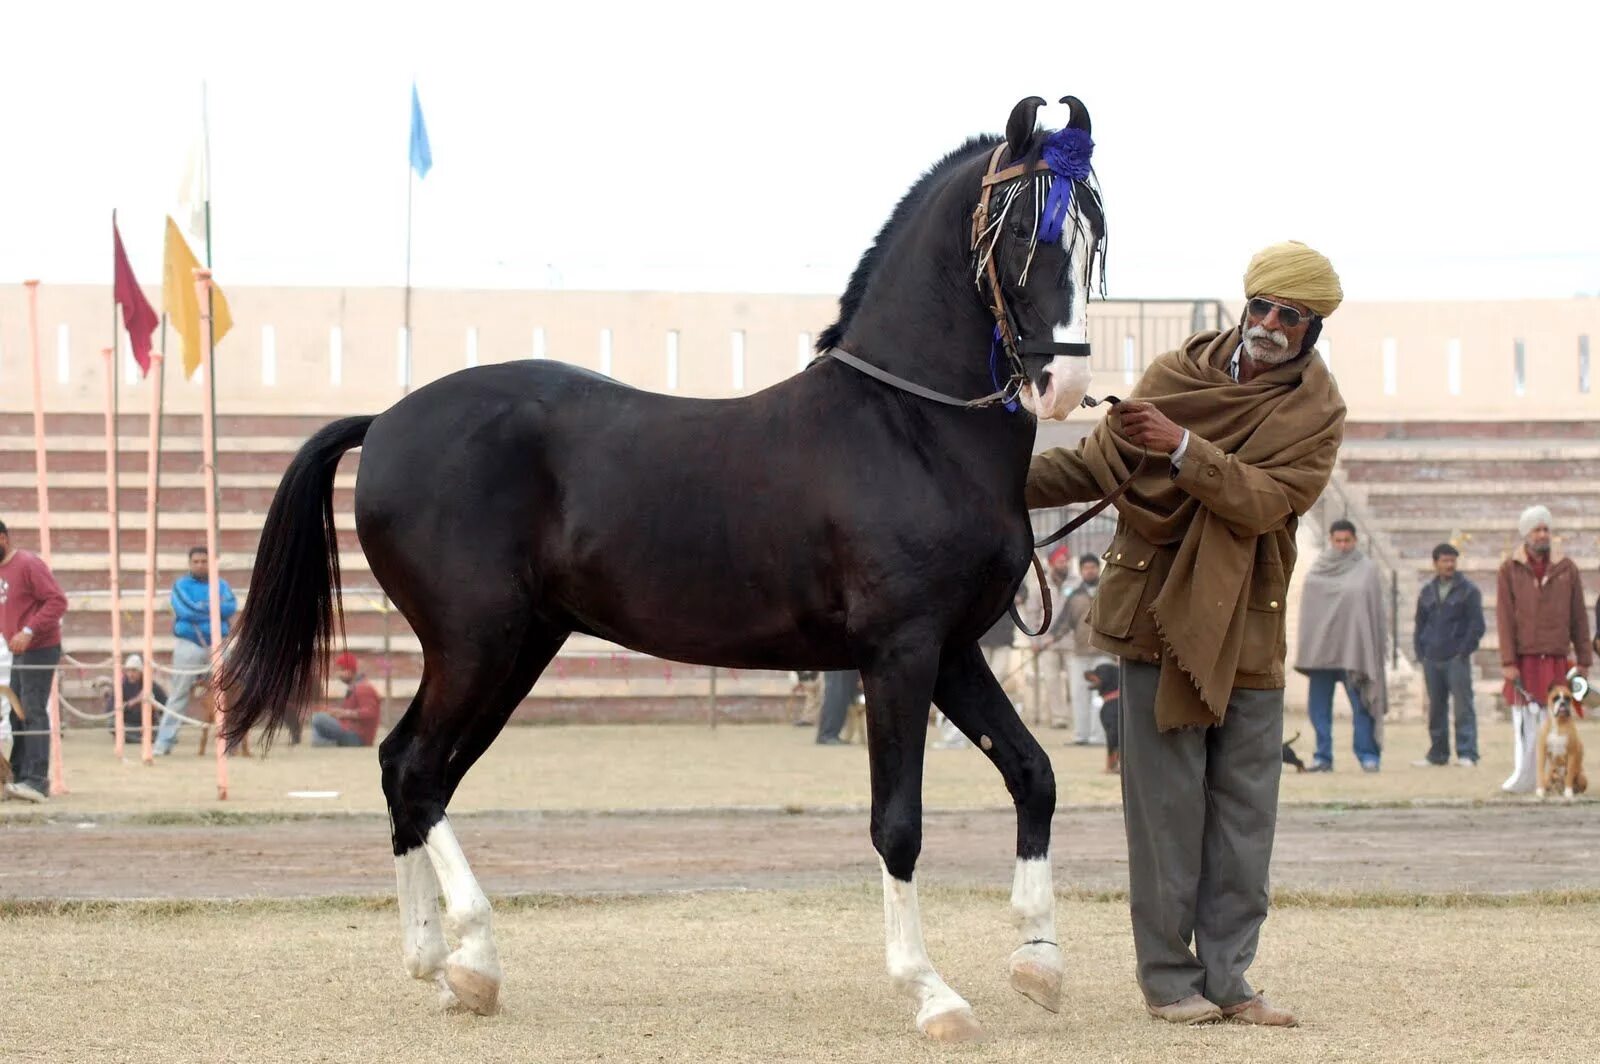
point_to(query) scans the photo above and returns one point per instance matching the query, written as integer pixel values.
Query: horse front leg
(898, 688)
(969, 695)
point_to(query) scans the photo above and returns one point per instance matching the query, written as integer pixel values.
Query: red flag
(137, 313)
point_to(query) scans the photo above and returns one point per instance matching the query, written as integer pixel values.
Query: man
(1083, 657)
(1342, 637)
(191, 651)
(838, 691)
(133, 699)
(355, 722)
(31, 608)
(1446, 635)
(1233, 437)
(1541, 619)
(1052, 651)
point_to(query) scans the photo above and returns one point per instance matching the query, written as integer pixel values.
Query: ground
(675, 893)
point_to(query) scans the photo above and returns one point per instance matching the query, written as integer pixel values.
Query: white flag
(193, 193)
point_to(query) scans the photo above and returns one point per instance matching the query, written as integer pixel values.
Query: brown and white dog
(9, 702)
(1560, 751)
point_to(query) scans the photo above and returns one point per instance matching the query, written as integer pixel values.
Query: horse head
(1038, 238)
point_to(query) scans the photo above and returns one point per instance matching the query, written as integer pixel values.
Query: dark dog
(1292, 758)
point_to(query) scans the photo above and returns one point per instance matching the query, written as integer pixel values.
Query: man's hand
(20, 642)
(1511, 673)
(1148, 427)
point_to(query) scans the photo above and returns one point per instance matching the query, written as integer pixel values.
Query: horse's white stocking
(942, 1014)
(472, 972)
(421, 930)
(1037, 964)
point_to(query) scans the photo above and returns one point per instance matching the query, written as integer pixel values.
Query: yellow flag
(182, 305)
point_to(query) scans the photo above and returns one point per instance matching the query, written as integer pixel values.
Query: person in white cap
(133, 699)
(1542, 623)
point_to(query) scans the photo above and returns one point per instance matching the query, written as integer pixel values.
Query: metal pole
(711, 703)
(152, 482)
(58, 770)
(114, 544)
(208, 430)
(1394, 618)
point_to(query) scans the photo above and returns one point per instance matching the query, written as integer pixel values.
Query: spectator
(355, 722)
(1542, 621)
(31, 608)
(1342, 636)
(1052, 651)
(133, 699)
(1448, 630)
(996, 647)
(838, 690)
(191, 651)
(1082, 656)
(1106, 681)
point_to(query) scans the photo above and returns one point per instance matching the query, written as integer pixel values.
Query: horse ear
(1019, 127)
(1080, 113)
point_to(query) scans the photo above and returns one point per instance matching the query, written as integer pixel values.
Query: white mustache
(1280, 340)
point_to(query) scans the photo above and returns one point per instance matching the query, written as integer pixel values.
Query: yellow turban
(1293, 271)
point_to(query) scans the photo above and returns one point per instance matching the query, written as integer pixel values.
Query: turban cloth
(1293, 271)
(1532, 518)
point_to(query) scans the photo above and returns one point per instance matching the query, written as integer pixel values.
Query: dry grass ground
(788, 976)
(661, 766)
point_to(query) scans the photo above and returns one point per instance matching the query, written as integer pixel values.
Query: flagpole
(411, 180)
(152, 484)
(114, 542)
(58, 771)
(208, 428)
(205, 191)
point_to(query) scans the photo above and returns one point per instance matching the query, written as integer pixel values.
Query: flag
(194, 191)
(421, 154)
(137, 313)
(182, 305)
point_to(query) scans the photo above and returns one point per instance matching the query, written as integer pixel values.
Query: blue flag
(421, 154)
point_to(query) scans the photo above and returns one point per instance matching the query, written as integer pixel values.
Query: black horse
(833, 521)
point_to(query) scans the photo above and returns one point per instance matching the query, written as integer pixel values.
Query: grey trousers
(1200, 807)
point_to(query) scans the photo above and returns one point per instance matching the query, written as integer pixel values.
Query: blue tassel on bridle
(1068, 153)
(994, 368)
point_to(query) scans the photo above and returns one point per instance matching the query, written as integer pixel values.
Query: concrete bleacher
(590, 680)
(1422, 483)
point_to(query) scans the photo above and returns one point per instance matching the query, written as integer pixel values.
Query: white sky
(1431, 152)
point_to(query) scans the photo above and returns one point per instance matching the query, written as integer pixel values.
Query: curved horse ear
(1019, 127)
(1080, 113)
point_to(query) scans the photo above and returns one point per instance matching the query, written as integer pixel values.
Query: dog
(1559, 750)
(9, 703)
(1292, 758)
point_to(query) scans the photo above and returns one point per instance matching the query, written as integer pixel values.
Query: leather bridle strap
(894, 381)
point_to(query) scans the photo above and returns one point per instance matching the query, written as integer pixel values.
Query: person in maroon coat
(355, 722)
(31, 608)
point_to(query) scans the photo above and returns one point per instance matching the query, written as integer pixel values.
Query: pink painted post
(58, 771)
(208, 432)
(151, 486)
(114, 539)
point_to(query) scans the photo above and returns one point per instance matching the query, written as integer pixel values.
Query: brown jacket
(1547, 619)
(1198, 572)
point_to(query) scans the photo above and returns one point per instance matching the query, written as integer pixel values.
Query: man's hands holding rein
(1148, 427)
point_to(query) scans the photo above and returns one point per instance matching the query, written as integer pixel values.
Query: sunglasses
(1260, 308)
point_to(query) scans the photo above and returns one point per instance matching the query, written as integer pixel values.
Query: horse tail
(276, 660)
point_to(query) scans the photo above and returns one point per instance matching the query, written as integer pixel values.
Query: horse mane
(850, 302)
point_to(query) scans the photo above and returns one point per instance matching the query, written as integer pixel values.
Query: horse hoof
(474, 990)
(957, 1025)
(1038, 983)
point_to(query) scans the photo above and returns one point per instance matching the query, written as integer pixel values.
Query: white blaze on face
(1067, 377)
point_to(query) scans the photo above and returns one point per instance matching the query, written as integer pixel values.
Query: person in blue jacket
(191, 651)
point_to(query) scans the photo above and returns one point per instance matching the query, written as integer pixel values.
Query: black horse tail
(276, 660)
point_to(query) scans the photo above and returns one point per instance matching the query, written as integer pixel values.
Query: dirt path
(1423, 849)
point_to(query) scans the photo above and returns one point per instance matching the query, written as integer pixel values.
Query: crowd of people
(32, 609)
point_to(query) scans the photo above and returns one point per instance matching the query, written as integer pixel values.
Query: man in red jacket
(355, 722)
(31, 608)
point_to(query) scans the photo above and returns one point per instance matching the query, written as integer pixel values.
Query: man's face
(346, 673)
(1059, 568)
(133, 675)
(1445, 565)
(1539, 540)
(199, 565)
(1344, 542)
(5, 544)
(1268, 337)
(1090, 571)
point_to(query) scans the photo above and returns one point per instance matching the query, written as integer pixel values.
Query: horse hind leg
(449, 725)
(969, 695)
